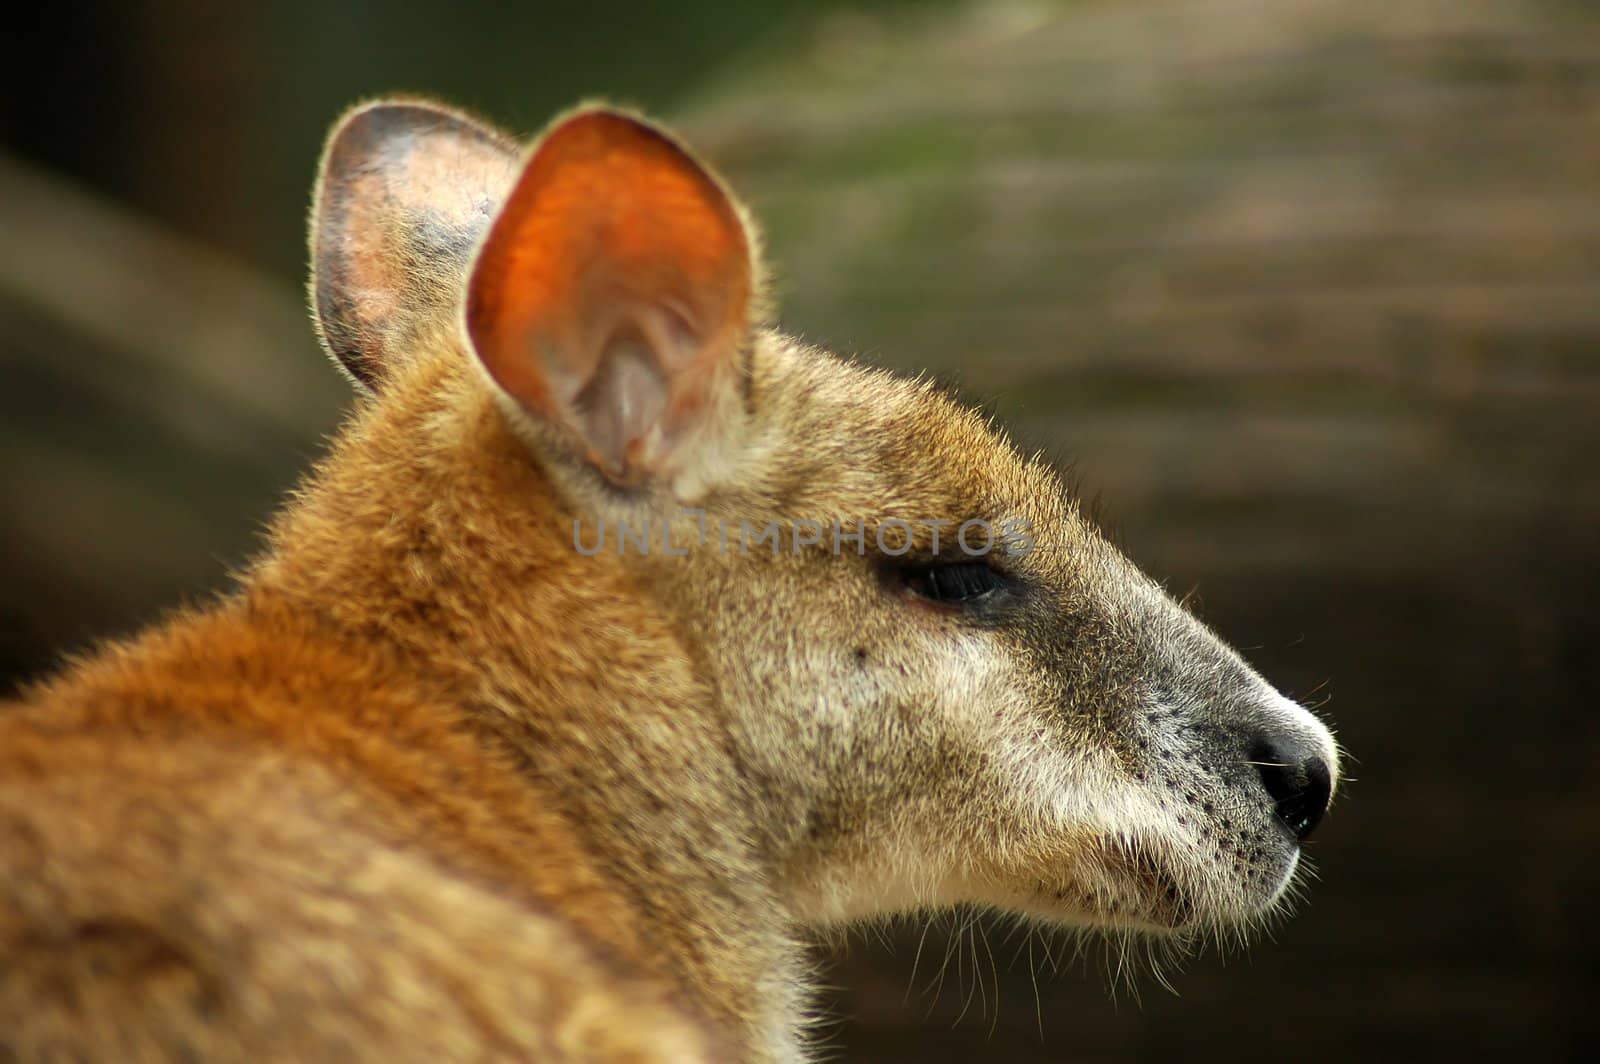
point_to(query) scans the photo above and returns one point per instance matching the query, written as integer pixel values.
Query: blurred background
(1308, 291)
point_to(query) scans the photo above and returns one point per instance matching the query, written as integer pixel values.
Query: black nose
(1300, 786)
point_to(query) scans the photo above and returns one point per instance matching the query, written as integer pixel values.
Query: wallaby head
(934, 679)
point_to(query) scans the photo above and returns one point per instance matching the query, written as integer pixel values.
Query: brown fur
(434, 784)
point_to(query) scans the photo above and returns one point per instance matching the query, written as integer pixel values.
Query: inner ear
(612, 298)
(405, 192)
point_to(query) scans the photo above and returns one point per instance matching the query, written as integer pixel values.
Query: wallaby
(619, 643)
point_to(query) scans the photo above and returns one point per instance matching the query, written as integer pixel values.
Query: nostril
(1300, 789)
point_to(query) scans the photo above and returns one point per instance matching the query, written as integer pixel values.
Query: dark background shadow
(1309, 292)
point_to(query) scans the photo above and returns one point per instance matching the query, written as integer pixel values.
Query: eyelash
(957, 584)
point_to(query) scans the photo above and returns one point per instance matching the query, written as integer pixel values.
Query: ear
(405, 192)
(612, 297)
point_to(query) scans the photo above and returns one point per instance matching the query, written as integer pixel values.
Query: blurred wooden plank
(155, 400)
(155, 303)
(1247, 262)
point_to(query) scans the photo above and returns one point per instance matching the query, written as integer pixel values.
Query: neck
(431, 531)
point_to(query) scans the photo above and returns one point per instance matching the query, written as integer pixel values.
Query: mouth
(1166, 904)
(1170, 889)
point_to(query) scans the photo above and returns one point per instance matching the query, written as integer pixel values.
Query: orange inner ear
(612, 233)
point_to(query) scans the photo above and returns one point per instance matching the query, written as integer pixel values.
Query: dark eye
(951, 583)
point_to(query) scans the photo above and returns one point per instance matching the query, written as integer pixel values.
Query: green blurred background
(1308, 291)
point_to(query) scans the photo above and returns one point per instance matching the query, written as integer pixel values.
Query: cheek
(948, 679)
(1046, 767)
(965, 709)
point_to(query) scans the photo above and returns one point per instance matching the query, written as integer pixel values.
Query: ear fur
(613, 297)
(405, 191)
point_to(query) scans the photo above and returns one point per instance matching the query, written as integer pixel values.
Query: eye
(950, 583)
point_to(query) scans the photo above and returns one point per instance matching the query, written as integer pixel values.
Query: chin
(1166, 892)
